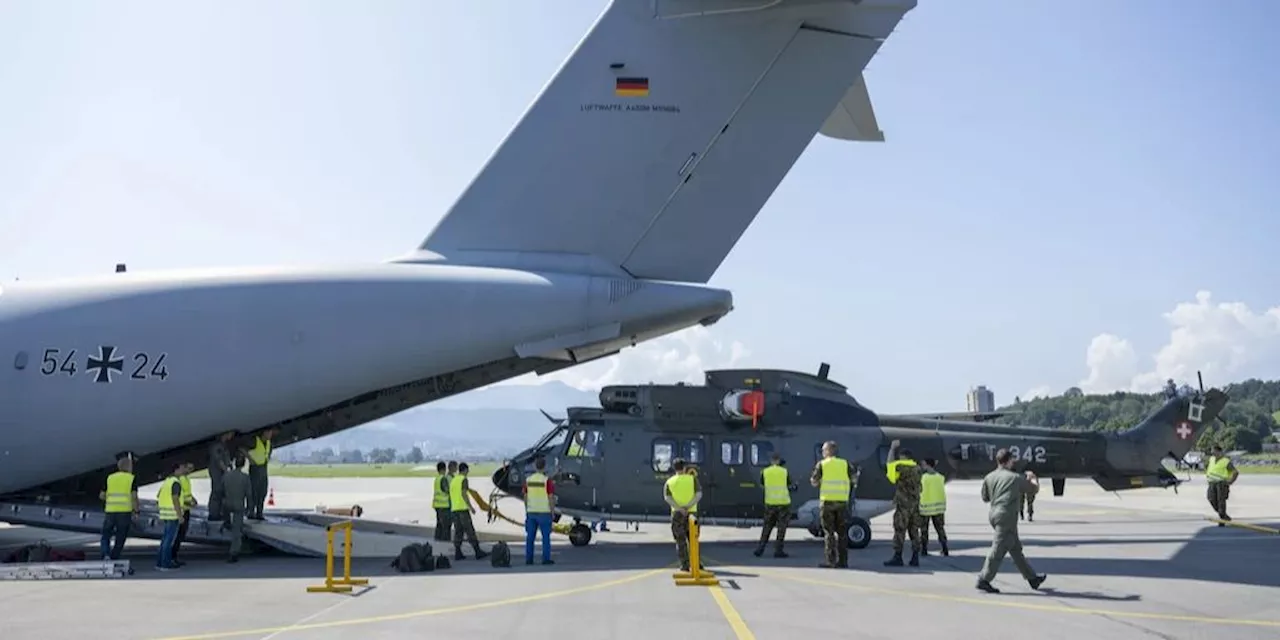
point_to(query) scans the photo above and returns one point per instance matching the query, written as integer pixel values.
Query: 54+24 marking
(103, 365)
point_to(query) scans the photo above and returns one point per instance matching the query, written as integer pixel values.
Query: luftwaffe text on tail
(593, 227)
(729, 427)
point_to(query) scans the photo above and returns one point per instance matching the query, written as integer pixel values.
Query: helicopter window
(692, 451)
(585, 443)
(731, 452)
(663, 452)
(760, 452)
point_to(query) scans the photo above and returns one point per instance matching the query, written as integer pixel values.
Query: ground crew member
(440, 501)
(169, 501)
(236, 490)
(777, 505)
(460, 505)
(1003, 489)
(1028, 506)
(1220, 474)
(682, 492)
(833, 476)
(259, 457)
(933, 506)
(219, 462)
(539, 503)
(121, 505)
(186, 503)
(905, 476)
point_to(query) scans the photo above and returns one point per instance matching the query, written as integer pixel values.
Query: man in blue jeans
(169, 499)
(539, 502)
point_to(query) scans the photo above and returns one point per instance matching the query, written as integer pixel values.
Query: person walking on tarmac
(259, 457)
(219, 463)
(1028, 507)
(777, 505)
(682, 492)
(121, 505)
(187, 501)
(235, 491)
(539, 503)
(460, 505)
(905, 476)
(833, 476)
(933, 506)
(169, 501)
(1220, 473)
(440, 501)
(1003, 490)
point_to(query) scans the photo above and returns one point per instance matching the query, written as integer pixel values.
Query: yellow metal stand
(695, 577)
(343, 584)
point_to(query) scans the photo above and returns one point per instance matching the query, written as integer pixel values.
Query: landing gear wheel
(579, 535)
(859, 533)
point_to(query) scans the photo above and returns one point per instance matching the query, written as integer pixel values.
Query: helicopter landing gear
(579, 535)
(859, 533)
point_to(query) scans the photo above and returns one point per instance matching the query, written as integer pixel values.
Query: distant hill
(1250, 415)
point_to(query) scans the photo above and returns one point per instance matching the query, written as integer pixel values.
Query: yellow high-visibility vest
(261, 452)
(1217, 470)
(168, 511)
(775, 485)
(456, 502)
(933, 494)
(535, 494)
(835, 480)
(441, 498)
(187, 497)
(682, 490)
(119, 492)
(892, 470)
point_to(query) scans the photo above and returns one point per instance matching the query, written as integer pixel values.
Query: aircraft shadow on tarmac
(1215, 554)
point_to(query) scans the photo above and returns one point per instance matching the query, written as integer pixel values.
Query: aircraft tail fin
(1172, 430)
(664, 133)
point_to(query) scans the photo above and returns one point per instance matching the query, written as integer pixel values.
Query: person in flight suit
(933, 506)
(236, 490)
(219, 463)
(905, 475)
(460, 505)
(834, 476)
(777, 505)
(1003, 490)
(682, 492)
(440, 501)
(1028, 506)
(1220, 473)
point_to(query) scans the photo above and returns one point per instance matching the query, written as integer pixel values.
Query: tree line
(1250, 414)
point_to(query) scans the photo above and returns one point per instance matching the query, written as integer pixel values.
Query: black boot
(924, 550)
(895, 561)
(945, 551)
(915, 559)
(779, 553)
(758, 552)
(983, 585)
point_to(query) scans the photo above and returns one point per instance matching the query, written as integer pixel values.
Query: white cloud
(683, 356)
(1226, 341)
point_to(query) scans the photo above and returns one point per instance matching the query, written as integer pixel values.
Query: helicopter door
(733, 482)
(584, 456)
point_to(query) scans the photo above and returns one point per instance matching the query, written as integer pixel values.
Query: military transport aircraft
(612, 460)
(592, 228)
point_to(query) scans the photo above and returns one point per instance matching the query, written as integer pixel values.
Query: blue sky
(1055, 173)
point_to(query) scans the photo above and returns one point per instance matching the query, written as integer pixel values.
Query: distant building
(980, 398)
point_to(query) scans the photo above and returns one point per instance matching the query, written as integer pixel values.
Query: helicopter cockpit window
(760, 452)
(586, 443)
(692, 451)
(552, 440)
(731, 452)
(664, 451)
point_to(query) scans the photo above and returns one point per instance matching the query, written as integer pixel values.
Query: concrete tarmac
(1141, 563)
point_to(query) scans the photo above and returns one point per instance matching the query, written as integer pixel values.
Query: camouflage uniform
(680, 531)
(906, 514)
(775, 516)
(1028, 507)
(835, 523)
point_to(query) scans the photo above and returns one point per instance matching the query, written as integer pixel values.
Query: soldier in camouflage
(905, 476)
(682, 492)
(834, 478)
(1027, 509)
(777, 505)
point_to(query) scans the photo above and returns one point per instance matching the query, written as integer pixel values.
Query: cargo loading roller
(294, 532)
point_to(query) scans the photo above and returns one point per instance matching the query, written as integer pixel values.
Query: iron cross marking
(104, 364)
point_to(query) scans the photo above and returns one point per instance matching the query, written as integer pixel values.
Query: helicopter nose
(506, 478)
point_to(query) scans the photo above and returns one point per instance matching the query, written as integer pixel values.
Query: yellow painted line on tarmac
(1245, 525)
(422, 612)
(740, 629)
(995, 601)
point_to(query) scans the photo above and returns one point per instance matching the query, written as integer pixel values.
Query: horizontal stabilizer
(1162, 478)
(854, 118)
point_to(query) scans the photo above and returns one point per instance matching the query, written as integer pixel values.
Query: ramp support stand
(343, 584)
(695, 576)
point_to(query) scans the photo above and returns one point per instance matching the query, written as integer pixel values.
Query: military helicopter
(611, 461)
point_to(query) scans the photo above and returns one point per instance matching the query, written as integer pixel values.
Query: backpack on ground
(442, 562)
(500, 555)
(412, 559)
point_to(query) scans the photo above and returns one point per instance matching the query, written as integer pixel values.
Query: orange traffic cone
(271, 498)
